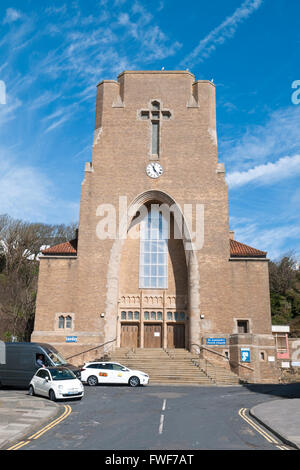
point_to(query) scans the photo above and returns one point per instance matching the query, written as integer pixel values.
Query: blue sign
(216, 341)
(245, 354)
(71, 339)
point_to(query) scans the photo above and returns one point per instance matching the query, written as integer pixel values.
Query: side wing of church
(154, 265)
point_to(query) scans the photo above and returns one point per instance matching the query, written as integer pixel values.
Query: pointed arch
(112, 291)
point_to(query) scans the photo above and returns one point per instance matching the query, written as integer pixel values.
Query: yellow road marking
(256, 427)
(65, 414)
(16, 445)
(49, 426)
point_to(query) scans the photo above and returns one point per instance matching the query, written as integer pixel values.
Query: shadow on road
(278, 390)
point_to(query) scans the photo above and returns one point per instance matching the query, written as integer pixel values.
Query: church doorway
(175, 336)
(129, 335)
(152, 335)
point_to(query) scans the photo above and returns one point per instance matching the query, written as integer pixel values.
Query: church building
(154, 264)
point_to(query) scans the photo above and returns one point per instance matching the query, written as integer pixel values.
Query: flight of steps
(176, 366)
(218, 374)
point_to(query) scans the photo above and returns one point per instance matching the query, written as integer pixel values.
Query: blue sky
(53, 54)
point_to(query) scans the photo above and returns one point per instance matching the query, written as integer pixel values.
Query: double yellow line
(267, 436)
(42, 431)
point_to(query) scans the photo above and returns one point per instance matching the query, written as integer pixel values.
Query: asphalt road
(158, 418)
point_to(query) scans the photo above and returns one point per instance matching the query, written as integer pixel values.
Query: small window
(123, 315)
(130, 316)
(43, 374)
(262, 356)
(176, 316)
(146, 315)
(136, 315)
(159, 315)
(144, 114)
(169, 316)
(155, 105)
(182, 316)
(153, 315)
(61, 322)
(243, 326)
(68, 322)
(166, 114)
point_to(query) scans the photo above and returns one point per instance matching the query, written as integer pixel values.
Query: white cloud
(258, 144)
(221, 33)
(268, 173)
(274, 240)
(27, 193)
(11, 15)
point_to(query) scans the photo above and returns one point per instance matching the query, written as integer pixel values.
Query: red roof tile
(238, 249)
(67, 248)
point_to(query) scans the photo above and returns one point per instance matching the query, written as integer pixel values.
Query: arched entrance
(153, 285)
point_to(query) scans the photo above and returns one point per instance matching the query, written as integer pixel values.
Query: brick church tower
(155, 146)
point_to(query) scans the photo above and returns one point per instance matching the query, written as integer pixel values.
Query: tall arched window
(154, 251)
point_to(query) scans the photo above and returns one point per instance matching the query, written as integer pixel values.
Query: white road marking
(164, 405)
(161, 424)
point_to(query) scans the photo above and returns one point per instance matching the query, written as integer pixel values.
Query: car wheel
(52, 395)
(134, 381)
(92, 380)
(31, 391)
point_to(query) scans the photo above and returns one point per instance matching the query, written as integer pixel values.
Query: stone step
(175, 366)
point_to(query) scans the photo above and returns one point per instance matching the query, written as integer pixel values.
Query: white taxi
(94, 373)
(56, 383)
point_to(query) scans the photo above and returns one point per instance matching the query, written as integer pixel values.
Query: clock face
(154, 170)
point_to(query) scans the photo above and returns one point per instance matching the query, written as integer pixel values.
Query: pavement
(21, 414)
(282, 418)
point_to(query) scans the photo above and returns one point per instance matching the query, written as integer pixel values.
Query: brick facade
(214, 286)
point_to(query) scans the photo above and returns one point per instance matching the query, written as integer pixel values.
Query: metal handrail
(222, 355)
(92, 349)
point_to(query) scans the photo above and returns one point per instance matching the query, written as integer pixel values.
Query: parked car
(56, 383)
(20, 362)
(113, 373)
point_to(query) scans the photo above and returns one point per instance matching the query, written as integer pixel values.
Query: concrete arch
(112, 292)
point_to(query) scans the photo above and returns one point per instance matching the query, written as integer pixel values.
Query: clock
(154, 170)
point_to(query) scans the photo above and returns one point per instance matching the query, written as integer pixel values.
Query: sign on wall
(245, 354)
(71, 339)
(215, 341)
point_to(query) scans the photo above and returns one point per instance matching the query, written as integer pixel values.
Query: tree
(20, 245)
(285, 292)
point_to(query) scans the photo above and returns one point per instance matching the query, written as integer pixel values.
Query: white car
(113, 373)
(56, 383)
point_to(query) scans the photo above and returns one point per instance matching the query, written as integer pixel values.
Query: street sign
(215, 341)
(71, 339)
(245, 354)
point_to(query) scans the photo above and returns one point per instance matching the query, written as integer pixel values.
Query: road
(158, 418)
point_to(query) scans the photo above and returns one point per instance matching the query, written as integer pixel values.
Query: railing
(92, 349)
(233, 363)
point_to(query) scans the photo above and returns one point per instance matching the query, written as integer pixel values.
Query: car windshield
(56, 358)
(62, 374)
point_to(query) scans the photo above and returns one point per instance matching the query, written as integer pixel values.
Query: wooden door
(176, 336)
(130, 336)
(152, 336)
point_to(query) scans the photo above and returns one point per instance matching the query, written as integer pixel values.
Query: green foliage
(20, 245)
(285, 293)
